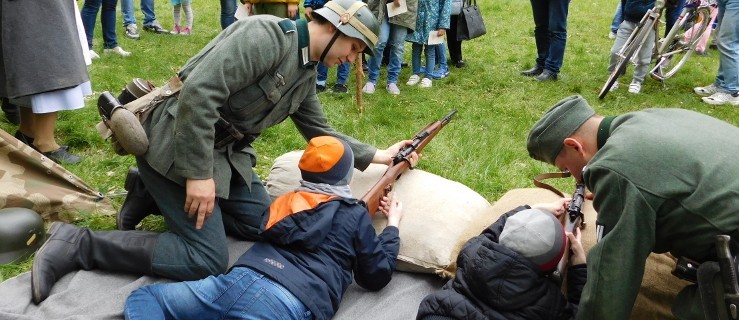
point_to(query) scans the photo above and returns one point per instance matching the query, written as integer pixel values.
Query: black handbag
(469, 23)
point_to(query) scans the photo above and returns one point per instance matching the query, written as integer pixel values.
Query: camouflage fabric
(30, 180)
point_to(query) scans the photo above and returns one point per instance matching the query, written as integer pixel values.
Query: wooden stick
(359, 75)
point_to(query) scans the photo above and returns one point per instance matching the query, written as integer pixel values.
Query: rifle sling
(542, 176)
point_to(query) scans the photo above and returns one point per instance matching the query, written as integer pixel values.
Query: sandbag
(437, 212)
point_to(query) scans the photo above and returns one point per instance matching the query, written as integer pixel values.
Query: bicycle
(675, 46)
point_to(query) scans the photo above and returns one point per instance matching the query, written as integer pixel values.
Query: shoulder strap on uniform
(604, 131)
(286, 25)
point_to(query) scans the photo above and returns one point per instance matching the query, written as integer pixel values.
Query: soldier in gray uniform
(252, 76)
(663, 180)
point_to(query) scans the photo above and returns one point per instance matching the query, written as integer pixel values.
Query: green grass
(483, 147)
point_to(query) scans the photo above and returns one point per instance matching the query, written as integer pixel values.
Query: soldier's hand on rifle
(386, 156)
(578, 253)
(201, 195)
(392, 208)
(557, 207)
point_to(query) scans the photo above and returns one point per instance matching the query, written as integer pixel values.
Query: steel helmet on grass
(354, 19)
(21, 234)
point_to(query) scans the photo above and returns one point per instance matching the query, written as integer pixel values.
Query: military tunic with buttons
(666, 180)
(255, 74)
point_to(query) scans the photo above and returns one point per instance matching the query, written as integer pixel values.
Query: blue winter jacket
(314, 252)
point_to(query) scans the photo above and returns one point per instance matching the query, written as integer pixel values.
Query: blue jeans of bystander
(89, 14)
(727, 42)
(228, 9)
(395, 35)
(127, 12)
(342, 73)
(550, 32)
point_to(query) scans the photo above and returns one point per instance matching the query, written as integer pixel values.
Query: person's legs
(374, 62)
(242, 211)
(416, 50)
(342, 72)
(183, 252)
(89, 14)
(430, 53)
(540, 10)
(728, 45)
(240, 292)
(127, 12)
(455, 46)
(618, 17)
(189, 16)
(322, 75)
(228, 9)
(443, 70)
(107, 21)
(147, 8)
(622, 34)
(397, 40)
(176, 17)
(557, 34)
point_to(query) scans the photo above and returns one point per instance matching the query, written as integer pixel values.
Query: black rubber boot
(138, 204)
(70, 248)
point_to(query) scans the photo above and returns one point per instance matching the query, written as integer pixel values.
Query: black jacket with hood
(494, 282)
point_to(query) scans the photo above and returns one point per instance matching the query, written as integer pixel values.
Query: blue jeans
(395, 34)
(89, 14)
(430, 59)
(184, 253)
(147, 7)
(550, 32)
(228, 9)
(728, 46)
(441, 56)
(241, 294)
(671, 15)
(618, 17)
(342, 73)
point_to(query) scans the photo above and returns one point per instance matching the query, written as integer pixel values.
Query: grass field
(484, 146)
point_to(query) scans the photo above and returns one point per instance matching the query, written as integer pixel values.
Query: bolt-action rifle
(573, 219)
(401, 162)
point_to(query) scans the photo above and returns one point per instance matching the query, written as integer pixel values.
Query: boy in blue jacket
(315, 239)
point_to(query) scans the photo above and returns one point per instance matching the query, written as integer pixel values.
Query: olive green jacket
(664, 181)
(251, 75)
(406, 19)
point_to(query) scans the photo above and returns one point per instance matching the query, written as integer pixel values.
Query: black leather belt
(226, 134)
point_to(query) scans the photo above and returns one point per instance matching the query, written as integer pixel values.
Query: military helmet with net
(354, 19)
(21, 234)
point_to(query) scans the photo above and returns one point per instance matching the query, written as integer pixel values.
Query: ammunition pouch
(226, 134)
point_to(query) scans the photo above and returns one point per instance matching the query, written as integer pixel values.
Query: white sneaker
(393, 89)
(118, 50)
(369, 87)
(611, 35)
(721, 98)
(94, 55)
(413, 80)
(614, 87)
(635, 87)
(426, 83)
(707, 90)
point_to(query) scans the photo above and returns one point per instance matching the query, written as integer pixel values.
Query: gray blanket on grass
(101, 295)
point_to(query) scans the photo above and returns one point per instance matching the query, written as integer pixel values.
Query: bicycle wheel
(676, 47)
(624, 55)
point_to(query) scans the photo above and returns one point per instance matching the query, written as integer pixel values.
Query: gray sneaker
(132, 31)
(707, 90)
(156, 28)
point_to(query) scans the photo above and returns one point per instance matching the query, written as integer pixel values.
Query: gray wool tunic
(666, 180)
(253, 74)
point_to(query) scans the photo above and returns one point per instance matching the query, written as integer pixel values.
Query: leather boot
(546, 75)
(533, 72)
(138, 204)
(70, 248)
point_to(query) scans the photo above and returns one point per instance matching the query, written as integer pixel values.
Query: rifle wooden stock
(573, 219)
(401, 163)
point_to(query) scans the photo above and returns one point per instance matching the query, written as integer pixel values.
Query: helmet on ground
(21, 234)
(354, 19)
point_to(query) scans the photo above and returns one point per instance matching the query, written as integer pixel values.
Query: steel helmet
(21, 234)
(354, 19)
